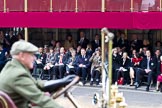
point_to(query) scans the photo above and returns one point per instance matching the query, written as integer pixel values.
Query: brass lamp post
(107, 37)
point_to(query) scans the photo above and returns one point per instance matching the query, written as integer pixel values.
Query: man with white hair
(17, 81)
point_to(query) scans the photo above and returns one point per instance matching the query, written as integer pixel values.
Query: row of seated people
(133, 69)
(60, 64)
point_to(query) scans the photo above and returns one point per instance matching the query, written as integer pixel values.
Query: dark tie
(81, 41)
(97, 42)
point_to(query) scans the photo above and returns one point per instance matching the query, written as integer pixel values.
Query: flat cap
(23, 46)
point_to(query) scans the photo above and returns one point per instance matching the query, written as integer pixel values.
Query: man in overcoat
(17, 82)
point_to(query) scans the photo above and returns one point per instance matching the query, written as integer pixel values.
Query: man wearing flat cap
(17, 81)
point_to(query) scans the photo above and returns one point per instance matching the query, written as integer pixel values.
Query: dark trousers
(114, 76)
(140, 73)
(82, 72)
(114, 73)
(59, 71)
(95, 75)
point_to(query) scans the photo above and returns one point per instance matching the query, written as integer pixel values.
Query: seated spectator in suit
(96, 42)
(71, 63)
(40, 57)
(39, 61)
(60, 63)
(83, 42)
(148, 65)
(95, 67)
(115, 63)
(2, 57)
(50, 59)
(83, 65)
(123, 70)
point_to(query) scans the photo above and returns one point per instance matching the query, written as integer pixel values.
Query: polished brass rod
(4, 6)
(26, 10)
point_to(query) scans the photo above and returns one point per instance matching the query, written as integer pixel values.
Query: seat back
(6, 101)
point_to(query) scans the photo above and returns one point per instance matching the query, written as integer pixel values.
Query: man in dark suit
(40, 56)
(39, 62)
(12, 38)
(2, 57)
(123, 43)
(83, 42)
(96, 42)
(60, 63)
(115, 64)
(135, 43)
(83, 65)
(148, 65)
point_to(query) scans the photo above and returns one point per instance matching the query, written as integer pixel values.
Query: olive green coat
(17, 82)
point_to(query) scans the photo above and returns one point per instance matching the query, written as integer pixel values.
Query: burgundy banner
(115, 20)
(66, 20)
(83, 5)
